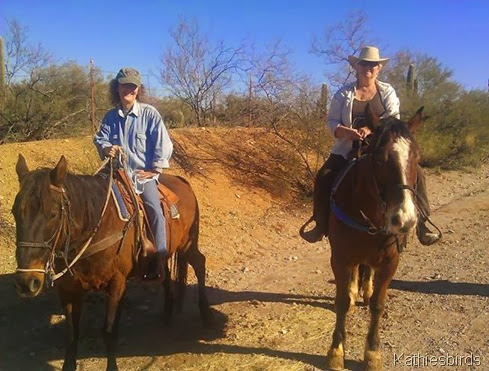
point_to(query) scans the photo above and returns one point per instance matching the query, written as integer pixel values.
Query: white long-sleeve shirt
(340, 111)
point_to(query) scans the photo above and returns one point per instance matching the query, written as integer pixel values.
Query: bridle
(367, 225)
(64, 227)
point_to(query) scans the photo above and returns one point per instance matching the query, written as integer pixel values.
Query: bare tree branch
(195, 71)
(340, 41)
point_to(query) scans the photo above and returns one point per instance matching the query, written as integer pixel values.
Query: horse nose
(396, 220)
(404, 226)
(407, 226)
(28, 287)
(34, 285)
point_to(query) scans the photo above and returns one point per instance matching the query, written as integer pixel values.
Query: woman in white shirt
(345, 117)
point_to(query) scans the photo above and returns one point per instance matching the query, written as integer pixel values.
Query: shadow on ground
(442, 287)
(33, 330)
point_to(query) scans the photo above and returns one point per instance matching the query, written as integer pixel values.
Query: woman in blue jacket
(138, 130)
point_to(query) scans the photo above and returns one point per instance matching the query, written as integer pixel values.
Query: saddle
(133, 203)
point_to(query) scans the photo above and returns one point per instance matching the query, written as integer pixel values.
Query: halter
(64, 225)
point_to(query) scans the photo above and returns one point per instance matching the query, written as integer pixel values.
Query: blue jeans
(156, 218)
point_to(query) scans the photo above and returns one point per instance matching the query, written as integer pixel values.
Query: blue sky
(135, 33)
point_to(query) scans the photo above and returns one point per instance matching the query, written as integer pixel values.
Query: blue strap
(340, 214)
(346, 219)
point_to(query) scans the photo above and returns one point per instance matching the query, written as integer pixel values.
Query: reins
(64, 226)
(369, 227)
(420, 210)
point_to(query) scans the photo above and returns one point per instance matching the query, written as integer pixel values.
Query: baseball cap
(128, 75)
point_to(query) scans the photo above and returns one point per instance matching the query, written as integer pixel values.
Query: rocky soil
(271, 292)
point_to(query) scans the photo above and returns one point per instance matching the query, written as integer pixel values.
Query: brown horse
(68, 231)
(373, 210)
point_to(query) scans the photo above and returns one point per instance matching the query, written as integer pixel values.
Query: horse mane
(389, 125)
(86, 194)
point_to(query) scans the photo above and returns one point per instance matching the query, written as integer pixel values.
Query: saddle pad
(119, 203)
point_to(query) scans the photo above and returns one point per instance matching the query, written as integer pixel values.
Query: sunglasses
(368, 64)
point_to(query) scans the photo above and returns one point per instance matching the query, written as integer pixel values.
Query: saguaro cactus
(323, 101)
(411, 81)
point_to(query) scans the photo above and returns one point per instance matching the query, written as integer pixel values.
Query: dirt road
(272, 293)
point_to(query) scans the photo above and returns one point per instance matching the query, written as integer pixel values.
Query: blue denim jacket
(142, 135)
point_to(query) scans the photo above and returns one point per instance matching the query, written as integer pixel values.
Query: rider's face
(128, 93)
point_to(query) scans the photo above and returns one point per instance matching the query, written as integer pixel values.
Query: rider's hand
(146, 174)
(345, 132)
(364, 131)
(112, 151)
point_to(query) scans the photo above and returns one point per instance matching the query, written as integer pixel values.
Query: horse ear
(372, 120)
(58, 174)
(415, 122)
(21, 167)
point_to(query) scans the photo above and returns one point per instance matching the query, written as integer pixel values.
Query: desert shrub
(459, 137)
(175, 113)
(456, 133)
(174, 119)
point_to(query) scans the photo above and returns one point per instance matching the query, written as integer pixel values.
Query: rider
(137, 130)
(345, 118)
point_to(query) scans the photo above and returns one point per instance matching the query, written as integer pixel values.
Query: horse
(373, 210)
(68, 232)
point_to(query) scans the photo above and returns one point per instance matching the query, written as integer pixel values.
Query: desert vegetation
(249, 134)
(214, 84)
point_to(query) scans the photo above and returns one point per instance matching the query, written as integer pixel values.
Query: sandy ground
(271, 293)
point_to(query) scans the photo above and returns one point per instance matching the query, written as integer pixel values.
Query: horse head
(41, 212)
(394, 155)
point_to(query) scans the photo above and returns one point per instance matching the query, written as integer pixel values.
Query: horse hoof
(366, 300)
(335, 359)
(69, 366)
(373, 360)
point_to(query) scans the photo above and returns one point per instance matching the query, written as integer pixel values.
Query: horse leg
(197, 260)
(168, 308)
(353, 286)
(382, 279)
(367, 284)
(72, 306)
(182, 270)
(115, 292)
(336, 353)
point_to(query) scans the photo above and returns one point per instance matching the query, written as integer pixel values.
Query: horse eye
(51, 214)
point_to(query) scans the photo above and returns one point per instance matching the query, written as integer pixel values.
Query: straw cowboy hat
(368, 54)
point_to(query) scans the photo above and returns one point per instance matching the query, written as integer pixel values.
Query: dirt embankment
(272, 293)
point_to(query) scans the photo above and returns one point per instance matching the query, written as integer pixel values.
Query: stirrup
(425, 236)
(313, 236)
(428, 238)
